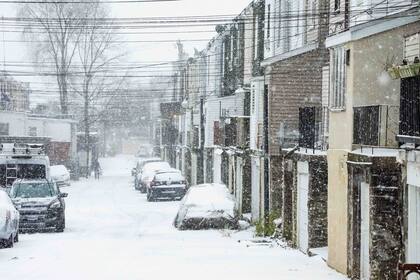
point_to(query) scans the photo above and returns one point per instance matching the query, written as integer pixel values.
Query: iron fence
(313, 128)
(375, 125)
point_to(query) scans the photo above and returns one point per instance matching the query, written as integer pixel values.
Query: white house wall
(16, 121)
(376, 9)
(257, 112)
(57, 130)
(213, 108)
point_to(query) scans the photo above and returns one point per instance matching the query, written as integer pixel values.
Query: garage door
(413, 254)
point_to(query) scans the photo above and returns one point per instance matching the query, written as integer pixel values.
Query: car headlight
(56, 204)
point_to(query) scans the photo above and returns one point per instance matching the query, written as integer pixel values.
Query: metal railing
(313, 128)
(375, 125)
(410, 110)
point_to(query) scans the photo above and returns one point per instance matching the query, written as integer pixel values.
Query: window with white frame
(256, 32)
(285, 30)
(268, 20)
(338, 78)
(33, 131)
(311, 17)
(4, 129)
(278, 22)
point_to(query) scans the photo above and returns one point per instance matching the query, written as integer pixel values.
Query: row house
(14, 95)
(373, 205)
(295, 89)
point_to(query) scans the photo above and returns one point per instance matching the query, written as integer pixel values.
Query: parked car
(167, 184)
(207, 206)
(60, 175)
(40, 204)
(9, 221)
(147, 173)
(136, 171)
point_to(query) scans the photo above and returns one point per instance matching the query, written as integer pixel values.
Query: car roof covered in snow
(58, 170)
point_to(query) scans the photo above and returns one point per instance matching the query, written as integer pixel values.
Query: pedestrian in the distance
(97, 169)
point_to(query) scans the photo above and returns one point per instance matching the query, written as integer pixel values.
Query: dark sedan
(40, 204)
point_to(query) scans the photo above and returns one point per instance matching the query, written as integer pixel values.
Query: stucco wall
(337, 210)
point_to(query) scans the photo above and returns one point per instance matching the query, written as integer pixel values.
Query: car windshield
(33, 190)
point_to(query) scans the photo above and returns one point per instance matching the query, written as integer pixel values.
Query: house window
(338, 78)
(285, 33)
(256, 32)
(268, 20)
(337, 5)
(4, 129)
(312, 14)
(279, 21)
(32, 131)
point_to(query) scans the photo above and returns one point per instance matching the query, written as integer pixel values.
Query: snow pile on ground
(207, 206)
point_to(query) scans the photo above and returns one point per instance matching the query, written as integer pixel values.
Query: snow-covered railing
(21, 149)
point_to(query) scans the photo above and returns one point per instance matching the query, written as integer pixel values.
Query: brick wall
(294, 82)
(385, 185)
(318, 201)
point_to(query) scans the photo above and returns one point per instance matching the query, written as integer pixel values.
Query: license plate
(32, 218)
(168, 192)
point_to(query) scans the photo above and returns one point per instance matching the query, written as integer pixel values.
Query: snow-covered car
(207, 206)
(136, 171)
(40, 204)
(9, 221)
(167, 184)
(60, 175)
(148, 171)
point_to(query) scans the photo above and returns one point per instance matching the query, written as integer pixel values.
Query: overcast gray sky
(137, 52)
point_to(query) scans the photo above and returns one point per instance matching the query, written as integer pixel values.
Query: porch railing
(313, 128)
(409, 129)
(375, 125)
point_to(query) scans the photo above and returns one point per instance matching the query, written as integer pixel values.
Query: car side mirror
(64, 195)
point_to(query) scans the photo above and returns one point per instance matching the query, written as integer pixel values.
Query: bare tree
(96, 51)
(55, 29)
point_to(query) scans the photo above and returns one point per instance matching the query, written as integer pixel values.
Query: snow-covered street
(112, 232)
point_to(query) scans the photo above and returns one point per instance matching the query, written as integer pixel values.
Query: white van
(23, 161)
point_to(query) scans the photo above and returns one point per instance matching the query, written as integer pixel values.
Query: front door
(413, 254)
(255, 189)
(302, 211)
(238, 181)
(364, 231)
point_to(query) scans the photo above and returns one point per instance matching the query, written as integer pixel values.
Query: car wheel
(9, 242)
(16, 240)
(149, 196)
(61, 225)
(142, 189)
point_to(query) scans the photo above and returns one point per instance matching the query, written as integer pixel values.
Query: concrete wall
(337, 209)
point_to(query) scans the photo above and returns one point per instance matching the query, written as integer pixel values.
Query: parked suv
(40, 204)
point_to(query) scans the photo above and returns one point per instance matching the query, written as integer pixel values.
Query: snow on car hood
(37, 201)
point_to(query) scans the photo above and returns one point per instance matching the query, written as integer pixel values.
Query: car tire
(61, 225)
(8, 243)
(142, 189)
(149, 196)
(16, 239)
